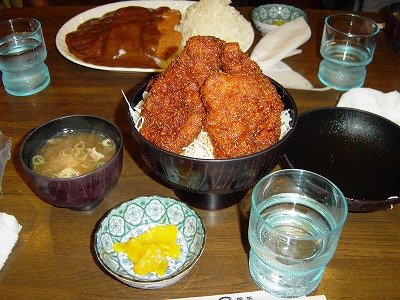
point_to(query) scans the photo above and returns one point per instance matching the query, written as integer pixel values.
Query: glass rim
(9, 22)
(343, 214)
(350, 15)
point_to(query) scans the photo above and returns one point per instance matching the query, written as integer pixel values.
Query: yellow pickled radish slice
(162, 268)
(149, 251)
(119, 247)
(160, 234)
(134, 249)
(149, 261)
(173, 251)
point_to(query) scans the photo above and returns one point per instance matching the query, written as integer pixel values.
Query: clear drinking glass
(348, 45)
(22, 55)
(295, 223)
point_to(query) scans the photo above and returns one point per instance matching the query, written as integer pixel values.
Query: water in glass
(288, 249)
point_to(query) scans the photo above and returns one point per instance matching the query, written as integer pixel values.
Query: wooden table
(54, 257)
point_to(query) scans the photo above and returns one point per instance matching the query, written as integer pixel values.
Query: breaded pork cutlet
(173, 111)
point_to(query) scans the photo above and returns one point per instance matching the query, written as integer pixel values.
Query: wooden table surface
(54, 257)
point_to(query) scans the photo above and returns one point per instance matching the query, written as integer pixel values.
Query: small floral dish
(269, 16)
(135, 217)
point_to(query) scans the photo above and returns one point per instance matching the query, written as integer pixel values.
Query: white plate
(99, 11)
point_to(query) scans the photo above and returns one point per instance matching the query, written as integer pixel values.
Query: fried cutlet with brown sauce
(173, 111)
(214, 86)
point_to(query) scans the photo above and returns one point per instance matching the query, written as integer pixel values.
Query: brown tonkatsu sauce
(128, 37)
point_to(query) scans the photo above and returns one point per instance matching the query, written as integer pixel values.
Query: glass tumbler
(22, 55)
(296, 219)
(347, 46)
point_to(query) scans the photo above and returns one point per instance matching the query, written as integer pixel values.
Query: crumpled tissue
(386, 105)
(279, 43)
(9, 230)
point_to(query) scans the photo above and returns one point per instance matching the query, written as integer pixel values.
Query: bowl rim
(294, 117)
(39, 127)
(180, 272)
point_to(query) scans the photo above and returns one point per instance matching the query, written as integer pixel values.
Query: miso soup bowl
(81, 192)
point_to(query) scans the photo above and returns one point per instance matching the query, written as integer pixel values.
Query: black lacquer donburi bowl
(212, 183)
(81, 192)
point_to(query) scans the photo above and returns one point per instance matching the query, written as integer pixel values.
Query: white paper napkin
(279, 43)
(386, 105)
(9, 230)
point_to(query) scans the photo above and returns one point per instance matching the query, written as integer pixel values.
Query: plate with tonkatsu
(145, 36)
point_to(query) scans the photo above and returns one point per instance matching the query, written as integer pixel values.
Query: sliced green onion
(92, 163)
(66, 151)
(100, 164)
(108, 144)
(47, 173)
(38, 160)
(80, 145)
(81, 156)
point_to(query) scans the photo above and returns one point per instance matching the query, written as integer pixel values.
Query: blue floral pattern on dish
(155, 210)
(175, 214)
(190, 227)
(107, 242)
(116, 225)
(134, 214)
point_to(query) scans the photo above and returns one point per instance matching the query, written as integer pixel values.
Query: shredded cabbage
(216, 18)
(285, 122)
(202, 146)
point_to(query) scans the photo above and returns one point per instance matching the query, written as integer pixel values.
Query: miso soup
(73, 153)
